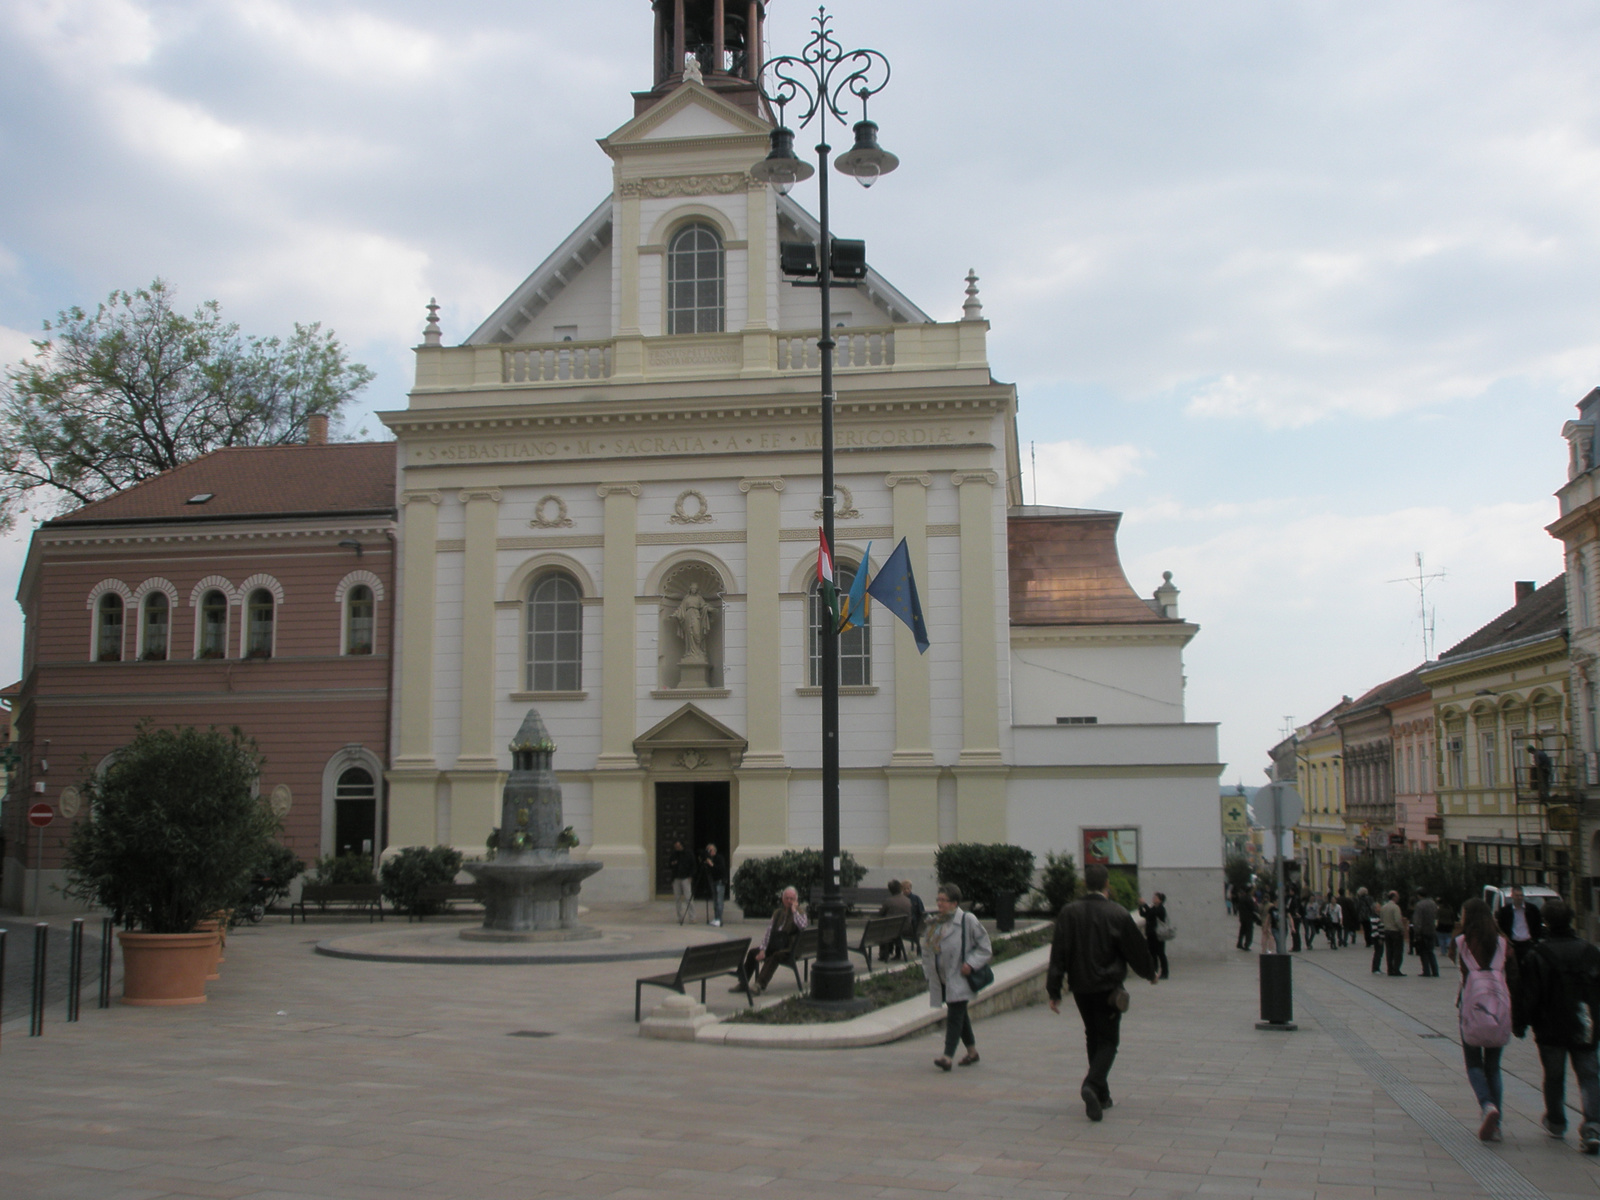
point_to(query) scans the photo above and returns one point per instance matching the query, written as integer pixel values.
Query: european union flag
(895, 588)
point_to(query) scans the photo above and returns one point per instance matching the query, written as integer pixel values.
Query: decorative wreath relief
(550, 513)
(700, 516)
(844, 505)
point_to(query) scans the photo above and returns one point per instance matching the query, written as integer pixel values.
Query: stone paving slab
(311, 1077)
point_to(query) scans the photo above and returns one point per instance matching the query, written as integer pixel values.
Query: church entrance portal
(695, 814)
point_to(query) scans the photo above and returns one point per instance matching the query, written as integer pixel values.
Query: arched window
(855, 644)
(358, 620)
(108, 628)
(213, 641)
(695, 281)
(555, 634)
(258, 624)
(355, 812)
(153, 635)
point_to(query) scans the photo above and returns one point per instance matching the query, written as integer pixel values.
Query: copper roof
(259, 481)
(1064, 570)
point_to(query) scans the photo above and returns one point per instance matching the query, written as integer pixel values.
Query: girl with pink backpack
(1488, 977)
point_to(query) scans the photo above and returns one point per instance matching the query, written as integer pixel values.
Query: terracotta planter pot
(166, 968)
(216, 950)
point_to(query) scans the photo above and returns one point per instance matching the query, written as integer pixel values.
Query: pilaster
(413, 774)
(617, 650)
(913, 720)
(478, 751)
(980, 702)
(763, 649)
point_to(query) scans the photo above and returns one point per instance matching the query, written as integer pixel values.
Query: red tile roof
(262, 481)
(1065, 570)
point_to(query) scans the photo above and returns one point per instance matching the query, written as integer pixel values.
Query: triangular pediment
(688, 728)
(693, 111)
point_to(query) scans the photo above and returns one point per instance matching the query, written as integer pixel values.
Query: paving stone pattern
(306, 1076)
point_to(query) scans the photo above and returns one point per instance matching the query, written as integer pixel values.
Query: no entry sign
(40, 814)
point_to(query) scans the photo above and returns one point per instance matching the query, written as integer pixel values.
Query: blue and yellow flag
(856, 605)
(895, 588)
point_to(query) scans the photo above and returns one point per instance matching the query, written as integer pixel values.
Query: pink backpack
(1485, 1001)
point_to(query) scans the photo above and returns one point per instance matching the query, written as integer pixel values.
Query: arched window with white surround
(211, 639)
(155, 627)
(355, 812)
(108, 628)
(555, 634)
(696, 287)
(855, 643)
(260, 620)
(359, 610)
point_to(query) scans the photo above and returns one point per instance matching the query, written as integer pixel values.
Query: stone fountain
(530, 887)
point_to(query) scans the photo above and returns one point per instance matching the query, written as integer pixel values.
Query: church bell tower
(725, 38)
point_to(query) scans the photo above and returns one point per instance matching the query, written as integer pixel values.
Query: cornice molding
(659, 187)
(212, 534)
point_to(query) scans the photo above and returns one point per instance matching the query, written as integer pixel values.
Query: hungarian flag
(830, 595)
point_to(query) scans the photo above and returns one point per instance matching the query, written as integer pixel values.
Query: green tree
(137, 388)
(174, 831)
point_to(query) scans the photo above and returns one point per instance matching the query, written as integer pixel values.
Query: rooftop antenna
(1033, 456)
(1288, 725)
(1427, 613)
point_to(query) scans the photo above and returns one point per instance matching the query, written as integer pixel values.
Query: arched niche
(689, 640)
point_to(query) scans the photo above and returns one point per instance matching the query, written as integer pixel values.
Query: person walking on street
(1245, 906)
(955, 945)
(1313, 920)
(1561, 999)
(1365, 911)
(681, 867)
(1096, 943)
(1488, 975)
(715, 868)
(1154, 912)
(1349, 921)
(1425, 934)
(1394, 934)
(1521, 922)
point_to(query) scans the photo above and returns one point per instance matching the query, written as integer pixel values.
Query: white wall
(1117, 683)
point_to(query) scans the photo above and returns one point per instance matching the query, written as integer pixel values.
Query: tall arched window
(108, 628)
(358, 620)
(695, 291)
(155, 627)
(555, 634)
(213, 642)
(855, 644)
(258, 624)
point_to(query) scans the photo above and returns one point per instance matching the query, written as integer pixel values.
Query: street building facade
(251, 587)
(1322, 839)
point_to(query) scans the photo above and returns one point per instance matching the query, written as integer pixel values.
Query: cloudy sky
(1304, 289)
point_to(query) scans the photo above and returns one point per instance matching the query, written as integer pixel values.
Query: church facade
(609, 501)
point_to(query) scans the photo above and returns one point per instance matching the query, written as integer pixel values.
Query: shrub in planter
(981, 870)
(175, 829)
(1058, 883)
(758, 882)
(345, 868)
(276, 870)
(407, 873)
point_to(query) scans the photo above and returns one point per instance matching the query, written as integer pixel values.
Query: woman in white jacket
(947, 969)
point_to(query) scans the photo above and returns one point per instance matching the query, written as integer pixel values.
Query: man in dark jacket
(1245, 905)
(1096, 942)
(1521, 922)
(1560, 996)
(714, 870)
(1425, 933)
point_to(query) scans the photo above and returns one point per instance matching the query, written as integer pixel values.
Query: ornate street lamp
(820, 83)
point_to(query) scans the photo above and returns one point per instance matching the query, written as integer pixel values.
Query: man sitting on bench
(897, 905)
(789, 920)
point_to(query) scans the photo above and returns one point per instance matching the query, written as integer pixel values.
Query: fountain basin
(531, 897)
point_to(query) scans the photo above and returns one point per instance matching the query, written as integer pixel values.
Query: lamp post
(820, 81)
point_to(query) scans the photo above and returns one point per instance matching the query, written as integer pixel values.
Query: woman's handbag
(981, 977)
(1165, 931)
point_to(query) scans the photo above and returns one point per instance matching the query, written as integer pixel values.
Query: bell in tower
(724, 36)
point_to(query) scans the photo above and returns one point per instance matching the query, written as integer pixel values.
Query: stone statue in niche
(690, 654)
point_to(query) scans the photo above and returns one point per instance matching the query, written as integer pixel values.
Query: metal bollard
(105, 963)
(41, 942)
(75, 969)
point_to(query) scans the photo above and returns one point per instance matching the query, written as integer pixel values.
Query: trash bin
(1277, 989)
(1005, 911)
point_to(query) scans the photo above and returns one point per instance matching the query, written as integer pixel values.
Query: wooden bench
(446, 894)
(879, 931)
(698, 964)
(802, 950)
(854, 898)
(362, 896)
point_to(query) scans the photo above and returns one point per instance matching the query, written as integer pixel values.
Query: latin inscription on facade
(663, 445)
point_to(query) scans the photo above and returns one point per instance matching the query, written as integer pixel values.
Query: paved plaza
(309, 1076)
